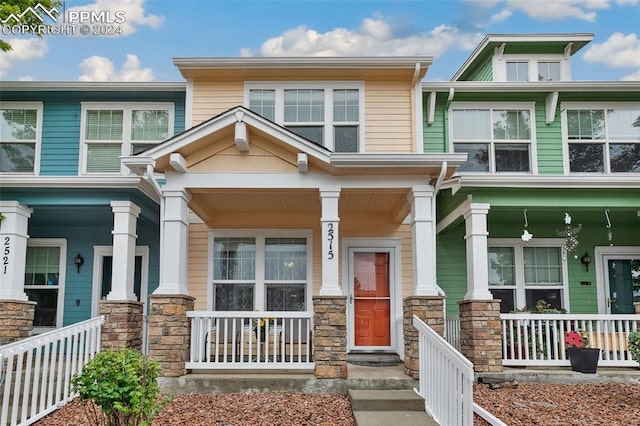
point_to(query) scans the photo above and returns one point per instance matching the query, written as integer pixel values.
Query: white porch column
(125, 216)
(174, 242)
(330, 242)
(477, 262)
(423, 237)
(13, 234)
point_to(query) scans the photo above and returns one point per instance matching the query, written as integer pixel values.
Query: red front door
(371, 299)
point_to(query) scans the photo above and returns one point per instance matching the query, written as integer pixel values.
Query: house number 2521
(330, 239)
(5, 255)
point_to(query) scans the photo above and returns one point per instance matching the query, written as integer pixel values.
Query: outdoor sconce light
(79, 261)
(585, 260)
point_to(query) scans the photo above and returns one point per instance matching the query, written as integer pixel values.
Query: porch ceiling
(211, 205)
(509, 216)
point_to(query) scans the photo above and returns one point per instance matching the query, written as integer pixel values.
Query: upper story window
(548, 70)
(109, 131)
(521, 67)
(602, 138)
(328, 114)
(20, 135)
(517, 71)
(497, 138)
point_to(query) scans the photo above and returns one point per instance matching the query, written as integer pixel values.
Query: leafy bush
(634, 344)
(123, 384)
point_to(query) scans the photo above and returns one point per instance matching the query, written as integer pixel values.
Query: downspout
(437, 186)
(158, 189)
(153, 180)
(416, 91)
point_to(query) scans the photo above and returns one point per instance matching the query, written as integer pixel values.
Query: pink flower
(574, 339)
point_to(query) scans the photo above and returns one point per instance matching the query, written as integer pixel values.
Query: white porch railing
(35, 373)
(452, 331)
(538, 339)
(232, 340)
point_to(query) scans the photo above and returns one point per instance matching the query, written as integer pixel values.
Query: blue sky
(155, 31)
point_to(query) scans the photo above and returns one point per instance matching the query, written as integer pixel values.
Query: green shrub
(634, 344)
(123, 384)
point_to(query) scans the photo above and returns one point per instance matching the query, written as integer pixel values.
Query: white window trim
(518, 245)
(260, 235)
(533, 146)
(500, 65)
(328, 86)
(126, 142)
(99, 253)
(564, 107)
(602, 255)
(53, 242)
(38, 106)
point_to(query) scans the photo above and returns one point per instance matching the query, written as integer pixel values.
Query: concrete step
(374, 359)
(395, 418)
(385, 400)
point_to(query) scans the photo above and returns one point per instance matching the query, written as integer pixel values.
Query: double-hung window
(20, 135)
(328, 114)
(496, 137)
(602, 138)
(517, 71)
(44, 280)
(260, 271)
(521, 275)
(110, 131)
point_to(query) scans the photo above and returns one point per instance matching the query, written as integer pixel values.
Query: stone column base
(429, 309)
(16, 320)
(170, 332)
(122, 324)
(481, 334)
(330, 337)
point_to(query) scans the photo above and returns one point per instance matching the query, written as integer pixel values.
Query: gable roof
(520, 43)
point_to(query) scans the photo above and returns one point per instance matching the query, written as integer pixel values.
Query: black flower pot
(584, 360)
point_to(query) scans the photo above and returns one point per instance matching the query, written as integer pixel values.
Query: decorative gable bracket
(241, 135)
(550, 105)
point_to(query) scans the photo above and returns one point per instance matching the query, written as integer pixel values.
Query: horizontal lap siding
(549, 141)
(60, 139)
(435, 134)
(388, 116)
(211, 98)
(452, 266)
(198, 261)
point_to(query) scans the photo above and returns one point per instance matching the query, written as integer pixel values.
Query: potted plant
(261, 325)
(583, 358)
(634, 345)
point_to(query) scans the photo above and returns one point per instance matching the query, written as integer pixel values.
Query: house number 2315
(5, 255)
(330, 239)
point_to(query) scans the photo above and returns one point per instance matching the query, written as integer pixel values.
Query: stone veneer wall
(429, 309)
(170, 332)
(122, 325)
(330, 337)
(16, 320)
(481, 334)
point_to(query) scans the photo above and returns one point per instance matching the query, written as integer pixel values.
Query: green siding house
(547, 206)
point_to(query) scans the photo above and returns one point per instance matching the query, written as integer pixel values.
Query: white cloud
(127, 13)
(23, 49)
(547, 10)
(501, 16)
(375, 37)
(99, 68)
(618, 51)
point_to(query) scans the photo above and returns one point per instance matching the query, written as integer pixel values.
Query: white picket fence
(446, 381)
(539, 339)
(35, 373)
(233, 340)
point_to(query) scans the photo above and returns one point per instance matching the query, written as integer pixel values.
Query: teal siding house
(546, 210)
(60, 172)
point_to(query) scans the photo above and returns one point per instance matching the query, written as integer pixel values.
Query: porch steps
(388, 407)
(374, 359)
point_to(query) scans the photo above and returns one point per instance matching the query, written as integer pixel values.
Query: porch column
(16, 312)
(429, 309)
(174, 243)
(423, 241)
(125, 215)
(477, 263)
(330, 242)
(13, 231)
(481, 334)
